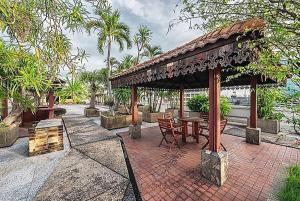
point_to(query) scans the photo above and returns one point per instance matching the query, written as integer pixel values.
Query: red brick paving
(162, 174)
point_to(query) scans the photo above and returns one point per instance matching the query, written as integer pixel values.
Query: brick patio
(175, 175)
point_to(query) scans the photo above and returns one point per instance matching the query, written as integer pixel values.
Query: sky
(156, 14)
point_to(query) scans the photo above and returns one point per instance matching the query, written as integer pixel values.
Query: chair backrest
(168, 115)
(204, 116)
(165, 124)
(223, 124)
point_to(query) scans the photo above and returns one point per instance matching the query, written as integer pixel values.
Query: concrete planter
(175, 112)
(8, 135)
(152, 117)
(269, 126)
(91, 112)
(118, 121)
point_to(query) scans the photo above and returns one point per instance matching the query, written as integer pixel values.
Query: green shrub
(290, 191)
(266, 102)
(200, 103)
(60, 111)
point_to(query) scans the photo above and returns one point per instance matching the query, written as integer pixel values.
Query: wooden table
(195, 127)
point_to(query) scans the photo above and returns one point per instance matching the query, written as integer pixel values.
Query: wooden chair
(205, 126)
(167, 129)
(176, 122)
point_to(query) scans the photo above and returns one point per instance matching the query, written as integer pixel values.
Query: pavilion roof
(187, 66)
(239, 27)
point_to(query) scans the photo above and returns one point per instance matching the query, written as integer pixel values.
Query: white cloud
(154, 13)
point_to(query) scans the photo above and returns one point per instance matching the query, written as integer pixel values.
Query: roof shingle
(238, 27)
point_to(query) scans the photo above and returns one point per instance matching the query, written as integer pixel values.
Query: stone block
(253, 135)
(135, 131)
(214, 166)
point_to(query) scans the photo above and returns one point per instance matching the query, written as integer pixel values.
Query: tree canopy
(280, 53)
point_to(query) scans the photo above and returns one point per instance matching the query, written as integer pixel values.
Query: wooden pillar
(214, 109)
(253, 102)
(181, 102)
(134, 107)
(51, 104)
(4, 108)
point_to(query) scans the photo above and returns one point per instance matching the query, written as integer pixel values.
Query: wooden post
(51, 104)
(214, 109)
(181, 102)
(253, 102)
(4, 108)
(134, 107)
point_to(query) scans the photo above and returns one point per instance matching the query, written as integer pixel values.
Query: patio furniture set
(172, 128)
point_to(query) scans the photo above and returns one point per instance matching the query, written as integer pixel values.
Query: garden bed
(118, 121)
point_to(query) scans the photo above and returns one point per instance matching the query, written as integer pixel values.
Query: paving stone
(78, 177)
(252, 168)
(107, 152)
(90, 135)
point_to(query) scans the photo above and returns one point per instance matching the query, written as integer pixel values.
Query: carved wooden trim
(229, 55)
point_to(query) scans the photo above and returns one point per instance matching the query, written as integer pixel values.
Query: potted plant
(122, 118)
(93, 80)
(268, 119)
(200, 104)
(152, 113)
(172, 97)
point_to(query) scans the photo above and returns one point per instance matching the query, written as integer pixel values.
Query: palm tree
(110, 30)
(93, 79)
(141, 39)
(151, 51)
(126, 62)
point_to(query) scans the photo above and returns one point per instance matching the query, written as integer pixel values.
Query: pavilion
(206, 62)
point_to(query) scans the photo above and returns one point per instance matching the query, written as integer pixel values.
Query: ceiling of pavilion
(188, 65)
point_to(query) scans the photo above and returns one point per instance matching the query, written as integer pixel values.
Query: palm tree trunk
(93, 96)
(109, 74)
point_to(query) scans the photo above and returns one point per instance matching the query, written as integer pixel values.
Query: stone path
(22, 176)
(94, 169)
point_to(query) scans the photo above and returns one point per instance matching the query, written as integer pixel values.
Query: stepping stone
(79, 177)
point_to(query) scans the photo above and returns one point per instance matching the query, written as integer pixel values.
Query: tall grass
(290, 191)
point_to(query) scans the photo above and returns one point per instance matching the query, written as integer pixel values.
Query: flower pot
(269, 126)
(91, 112)
(152, 117)
(118, 121)
(8, 135)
